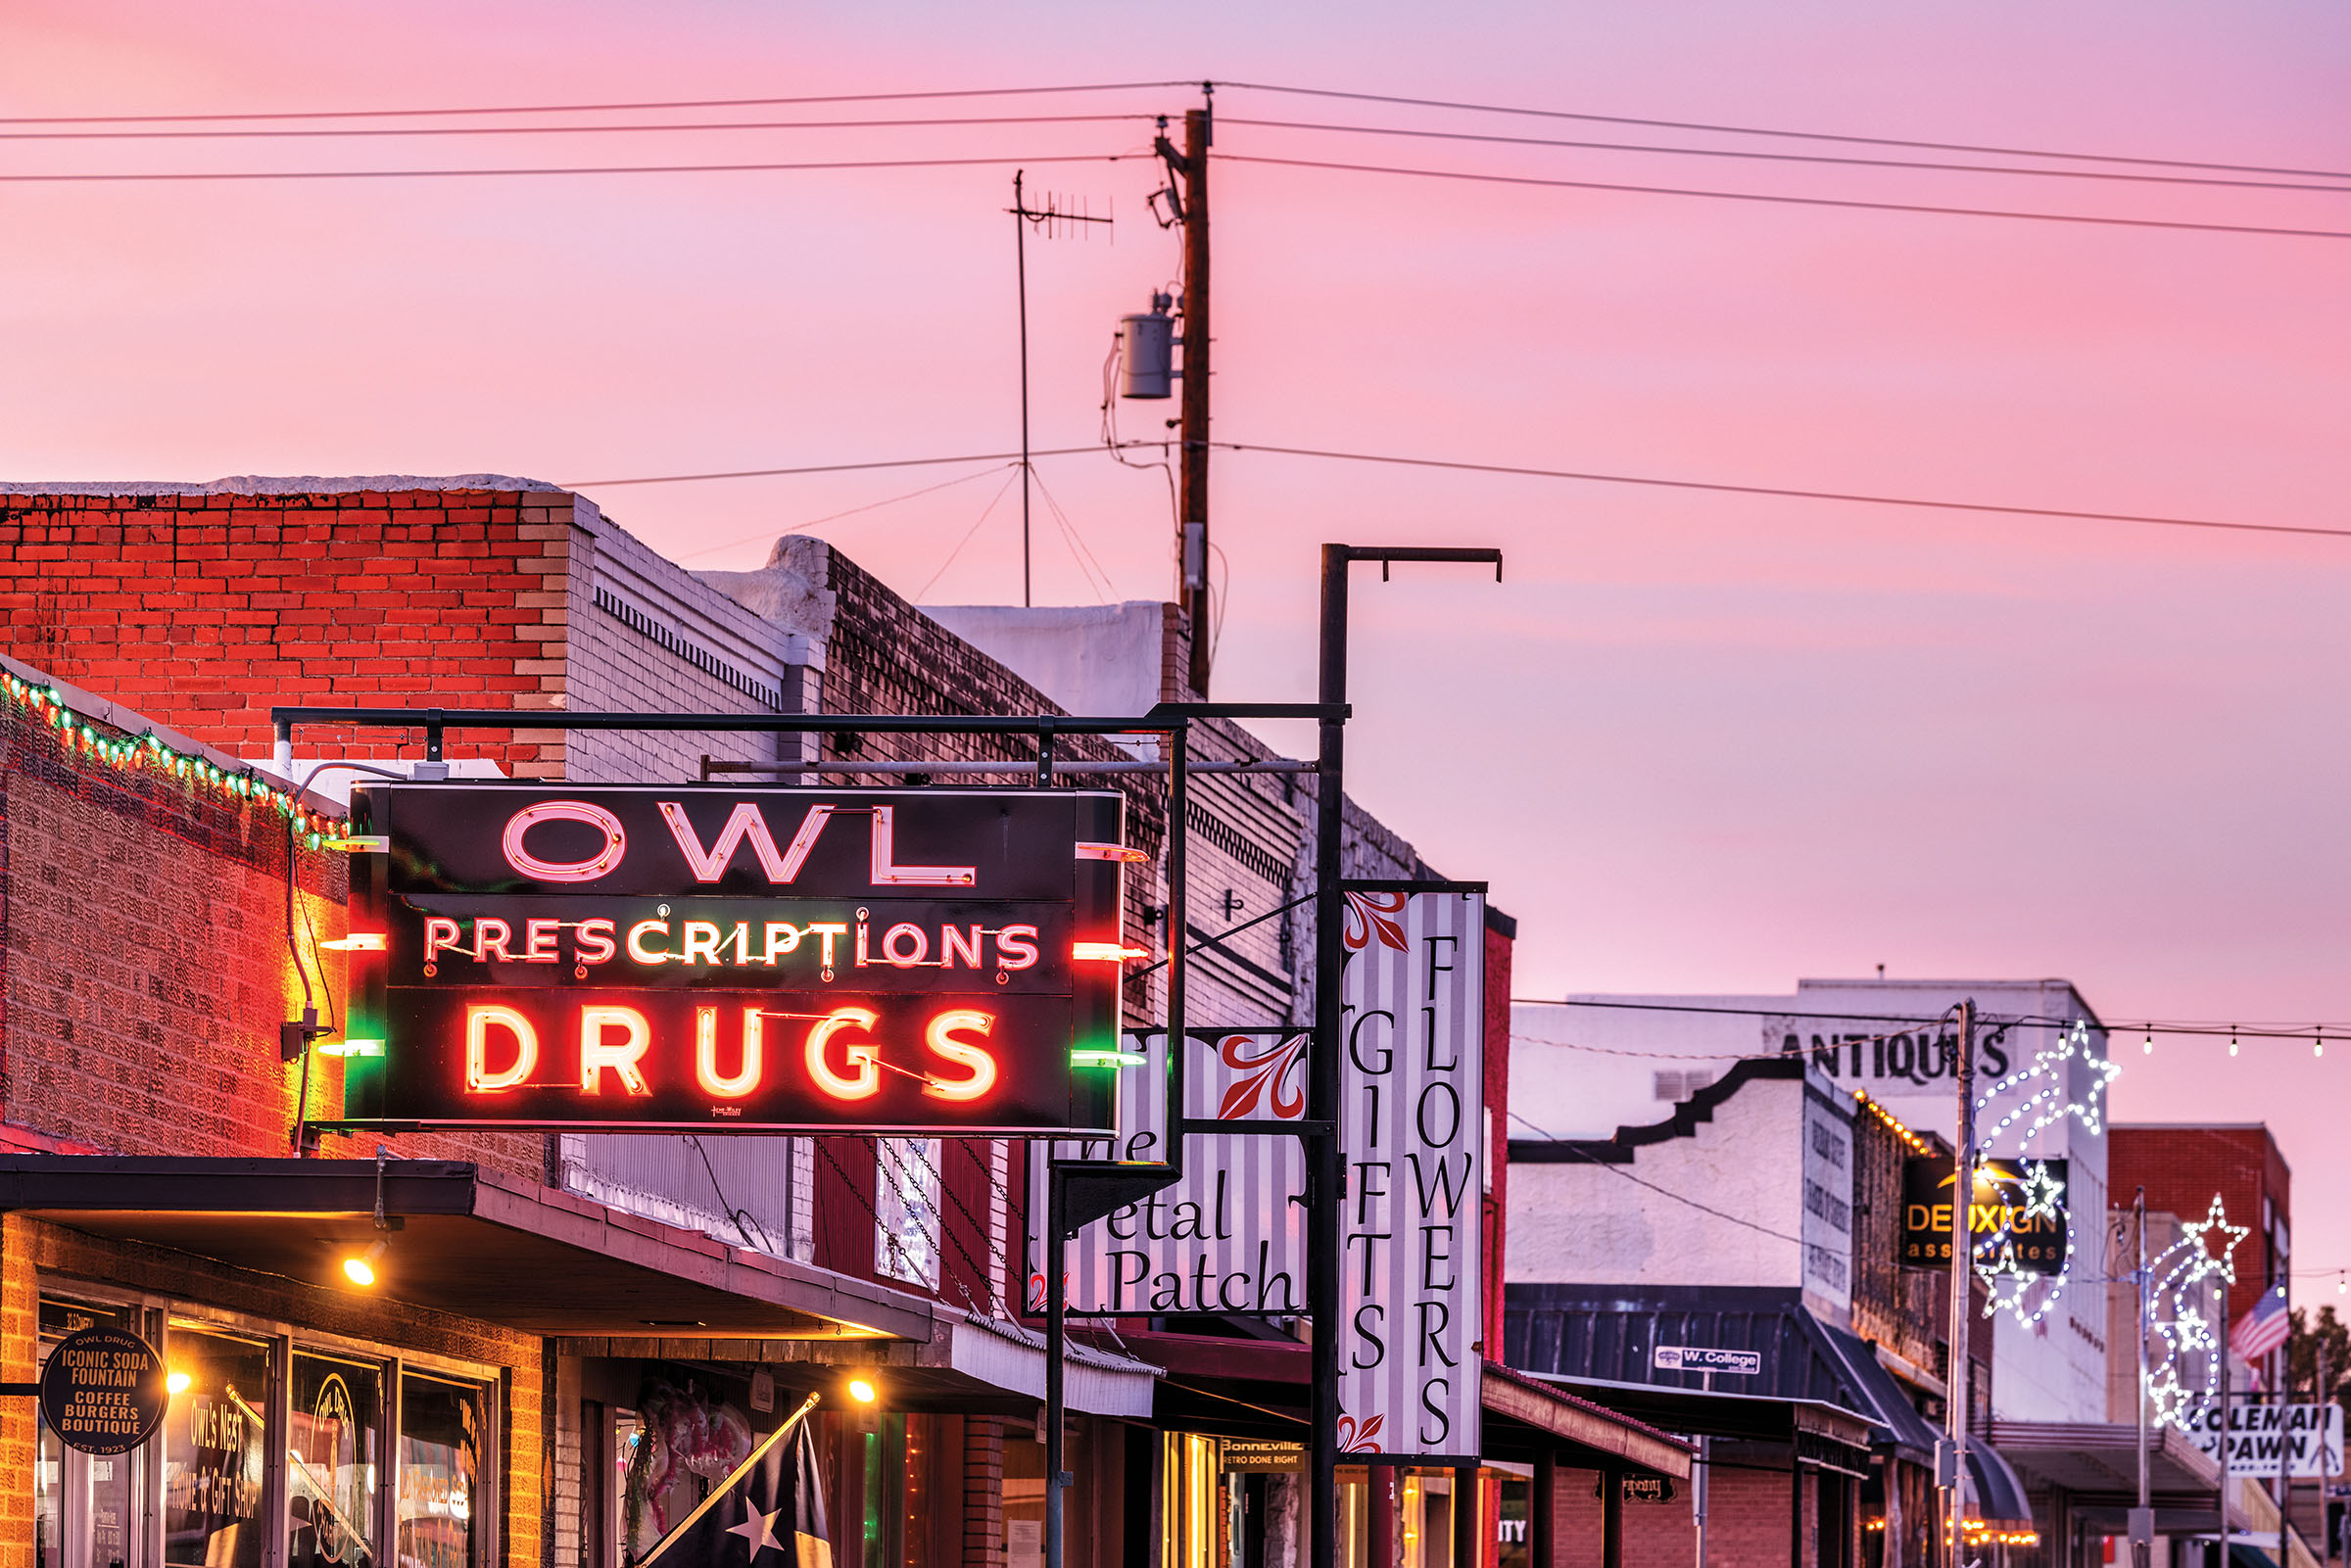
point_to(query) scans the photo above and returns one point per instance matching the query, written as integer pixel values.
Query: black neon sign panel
(745, 960)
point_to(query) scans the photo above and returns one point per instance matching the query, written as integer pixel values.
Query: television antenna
(1059, 217)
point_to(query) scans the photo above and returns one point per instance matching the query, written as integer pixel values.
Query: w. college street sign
(1231, 1237)
(734, 960)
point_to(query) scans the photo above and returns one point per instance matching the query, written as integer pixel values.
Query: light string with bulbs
(149, 754)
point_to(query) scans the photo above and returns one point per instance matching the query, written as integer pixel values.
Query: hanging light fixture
(360, 1267)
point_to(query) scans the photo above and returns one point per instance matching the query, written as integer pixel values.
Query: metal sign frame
(1082, 1191)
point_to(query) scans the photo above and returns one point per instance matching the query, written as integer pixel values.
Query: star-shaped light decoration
(2167, 1398)
(2194, 1234)
(2014, 1302)
(758, 1530)
(2195, 1332)
(2040, 1192)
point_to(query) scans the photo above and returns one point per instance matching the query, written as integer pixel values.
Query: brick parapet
(203, 610)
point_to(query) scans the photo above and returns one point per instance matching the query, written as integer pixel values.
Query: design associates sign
(104, 1391)
(2017, 1222)
(1231, 1237)
(735, 959)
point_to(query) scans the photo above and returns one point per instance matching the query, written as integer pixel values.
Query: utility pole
(2223, 1488)
(2326, 1399)
(2142, 1517)
(1199, 133)
(1325, 1161)
(1964, 1272)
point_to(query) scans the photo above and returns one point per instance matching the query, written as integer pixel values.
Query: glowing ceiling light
(863, 1392)
(177, 1382)
(360, 1267)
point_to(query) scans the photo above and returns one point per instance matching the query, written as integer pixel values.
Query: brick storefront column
(20, 1348)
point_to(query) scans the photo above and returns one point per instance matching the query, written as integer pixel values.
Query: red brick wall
(984, 1493)
(203, 610)
(1747, 1523)
(1496, 1154)
(2183, 1167)
(144, 966)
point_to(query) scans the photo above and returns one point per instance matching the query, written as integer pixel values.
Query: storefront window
(333, 1463)
(907, 1210)
(443, 1428)
(84, 1505)
(216, 1449)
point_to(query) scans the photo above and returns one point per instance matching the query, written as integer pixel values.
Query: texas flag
(770, 1514)
(2263, 1329)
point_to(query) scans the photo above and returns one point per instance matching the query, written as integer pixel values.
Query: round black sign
(105, 1391)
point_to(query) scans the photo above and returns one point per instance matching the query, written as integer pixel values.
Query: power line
(832, 468)
(1788, 200)
(608, 168)
(1585, 1155)
(1776, 158)
(1509, 469)
(834, 518)
(594, 109)
(560, 131)
(1764, 131)
(1856, 497)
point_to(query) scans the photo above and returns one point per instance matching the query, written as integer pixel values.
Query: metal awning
(2096, 1465)
(1820, 1434)
(468, 1241)
(1258, 1388)
(1997, 1495)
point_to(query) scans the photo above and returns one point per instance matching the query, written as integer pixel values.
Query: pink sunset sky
(1696, 742)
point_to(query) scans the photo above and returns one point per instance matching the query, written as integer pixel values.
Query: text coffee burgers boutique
(277, 1236)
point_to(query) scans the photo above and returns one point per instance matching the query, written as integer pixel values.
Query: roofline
(1617, 1148)
(286, 485)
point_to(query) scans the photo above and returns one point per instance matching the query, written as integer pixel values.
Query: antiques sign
(104, 1391)
(734, 960)
(2017, 1222)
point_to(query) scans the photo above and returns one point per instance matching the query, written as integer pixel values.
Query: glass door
(86, 1506)
(333, 1462)
(216, 1449)
(443, 1496)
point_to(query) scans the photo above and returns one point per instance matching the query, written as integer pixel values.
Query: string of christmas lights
(151, 755)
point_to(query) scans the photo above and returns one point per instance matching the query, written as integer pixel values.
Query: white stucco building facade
(1593, 1065)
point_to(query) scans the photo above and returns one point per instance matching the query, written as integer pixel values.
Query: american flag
(2264, 1328)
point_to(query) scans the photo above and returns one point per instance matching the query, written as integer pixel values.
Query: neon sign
(752, 960)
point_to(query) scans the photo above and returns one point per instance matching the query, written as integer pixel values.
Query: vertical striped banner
(1231, 1237)
(1226, 1238)
(1412, 1134)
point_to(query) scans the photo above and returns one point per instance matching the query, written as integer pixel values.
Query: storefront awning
(1818, 1433)
(1258, 1388)
(468, 1241)
(2096, 1465)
